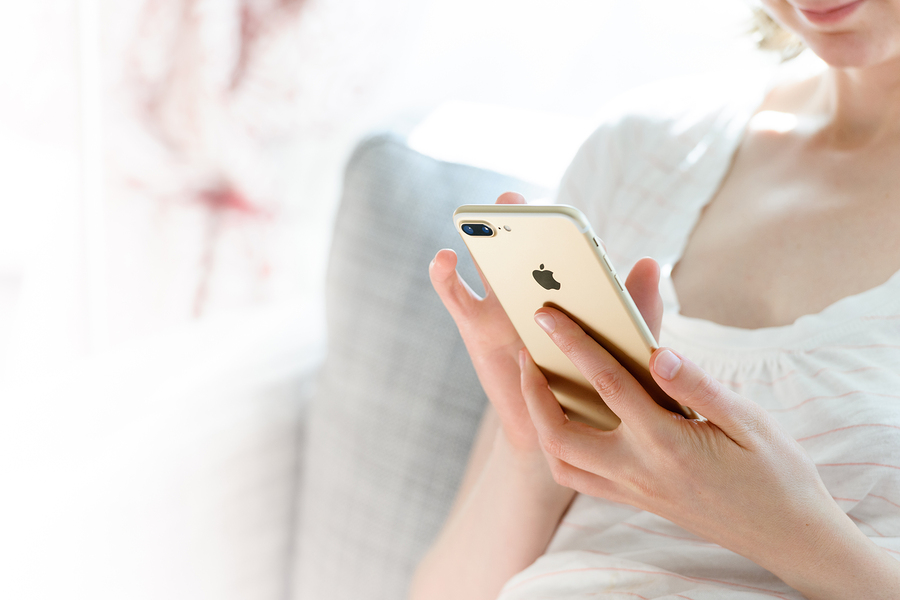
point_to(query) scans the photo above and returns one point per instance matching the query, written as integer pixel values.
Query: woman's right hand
(492, 342)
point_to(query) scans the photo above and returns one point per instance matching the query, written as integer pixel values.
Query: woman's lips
(826, 16)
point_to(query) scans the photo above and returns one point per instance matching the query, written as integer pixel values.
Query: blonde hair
(773, 37)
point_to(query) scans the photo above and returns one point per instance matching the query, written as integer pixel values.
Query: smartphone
(547, 255)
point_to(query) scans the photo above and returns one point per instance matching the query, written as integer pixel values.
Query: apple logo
(545, 278)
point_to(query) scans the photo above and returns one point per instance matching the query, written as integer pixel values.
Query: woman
(779, 209)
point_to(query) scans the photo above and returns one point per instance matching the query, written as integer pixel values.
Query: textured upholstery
(397, 402)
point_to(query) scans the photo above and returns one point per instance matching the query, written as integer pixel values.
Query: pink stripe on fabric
(885, 499)
(837, 347)
(600, 552)
(796, 373)
(606, 593)
(639, 528)
(815, 435)
(844, 395)
(861, 522)
(772, 593)
(859, 464)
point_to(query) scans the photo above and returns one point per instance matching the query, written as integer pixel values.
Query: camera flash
(506, 227)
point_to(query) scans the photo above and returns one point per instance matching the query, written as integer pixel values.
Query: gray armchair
(396, 402)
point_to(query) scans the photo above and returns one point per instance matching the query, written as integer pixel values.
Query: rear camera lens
(477, 229)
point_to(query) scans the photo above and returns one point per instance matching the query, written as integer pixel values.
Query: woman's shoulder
(679, 110)
(658, 127)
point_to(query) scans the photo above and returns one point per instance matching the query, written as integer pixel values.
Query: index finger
(616, 386)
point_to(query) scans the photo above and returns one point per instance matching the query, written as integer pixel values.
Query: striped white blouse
(832, 379)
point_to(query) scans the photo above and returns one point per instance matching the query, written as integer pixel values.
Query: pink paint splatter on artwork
(219, 201)
(227, 198)
(254, 25)
(208, 102)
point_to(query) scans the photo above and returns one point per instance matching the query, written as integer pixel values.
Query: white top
(832, 379)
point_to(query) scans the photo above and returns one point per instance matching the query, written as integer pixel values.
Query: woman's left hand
(737, 479)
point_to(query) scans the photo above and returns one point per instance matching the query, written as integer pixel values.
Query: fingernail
(667, 364)
(546, 322)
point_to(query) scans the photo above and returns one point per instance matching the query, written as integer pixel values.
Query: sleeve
(644, 136)
(593, 178)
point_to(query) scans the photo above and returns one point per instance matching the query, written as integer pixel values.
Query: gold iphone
(535, 256)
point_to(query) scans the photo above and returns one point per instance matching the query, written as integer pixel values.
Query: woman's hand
(737, 479)
(494, 345)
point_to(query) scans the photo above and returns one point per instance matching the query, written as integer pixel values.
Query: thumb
(693, 387)
(458, 298)
(511, 198)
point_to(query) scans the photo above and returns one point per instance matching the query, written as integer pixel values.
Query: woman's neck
(858, 106)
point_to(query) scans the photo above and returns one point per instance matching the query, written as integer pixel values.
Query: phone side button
(608, 264)
(619, 281)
